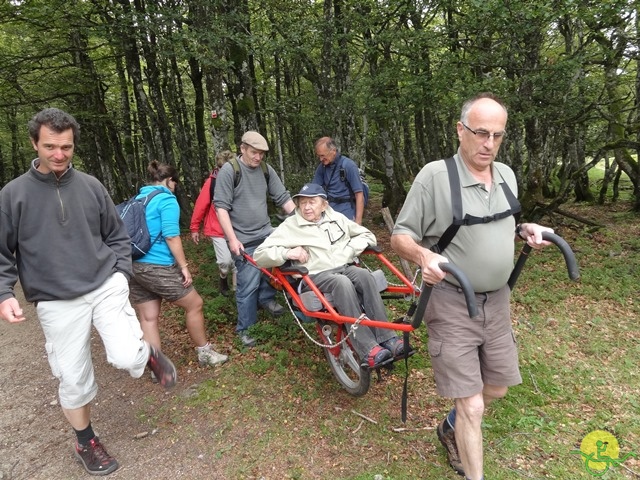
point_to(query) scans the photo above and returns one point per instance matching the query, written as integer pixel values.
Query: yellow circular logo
(600, 448)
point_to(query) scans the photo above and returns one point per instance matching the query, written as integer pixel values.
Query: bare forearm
(407, 248)
(289, 207)
(359, 208)
(175, 246)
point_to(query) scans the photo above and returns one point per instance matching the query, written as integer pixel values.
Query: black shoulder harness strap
(338, 167)
(456, 208)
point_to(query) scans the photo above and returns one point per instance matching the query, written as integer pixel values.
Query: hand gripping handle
(569, 258)
(462, 279)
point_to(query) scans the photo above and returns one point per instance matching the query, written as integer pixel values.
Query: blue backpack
(132, 213)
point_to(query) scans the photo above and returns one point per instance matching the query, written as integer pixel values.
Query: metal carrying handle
(462, 279)
(569, 258)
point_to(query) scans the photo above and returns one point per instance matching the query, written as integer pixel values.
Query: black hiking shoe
(95, 459)
(224, 286)
(448, 441)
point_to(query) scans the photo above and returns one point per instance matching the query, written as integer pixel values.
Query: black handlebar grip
(569, 257)
(465, 284)
(567, 253)
(469, 295)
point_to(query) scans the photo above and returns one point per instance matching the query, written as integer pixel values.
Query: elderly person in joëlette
(326, 243)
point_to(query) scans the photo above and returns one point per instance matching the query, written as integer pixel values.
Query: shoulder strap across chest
(456, 208)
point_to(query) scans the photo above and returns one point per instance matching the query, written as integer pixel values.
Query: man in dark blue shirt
(340, 177)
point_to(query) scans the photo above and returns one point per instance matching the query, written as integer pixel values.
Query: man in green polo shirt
(474, 360)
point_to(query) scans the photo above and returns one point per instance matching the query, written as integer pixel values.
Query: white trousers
(67, 329)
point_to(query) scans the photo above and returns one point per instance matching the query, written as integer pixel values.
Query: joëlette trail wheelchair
(332, 329)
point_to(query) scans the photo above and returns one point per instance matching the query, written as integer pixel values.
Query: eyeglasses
(334, 231)
(484, 135)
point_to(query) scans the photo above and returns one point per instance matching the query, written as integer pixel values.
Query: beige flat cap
(255, 140)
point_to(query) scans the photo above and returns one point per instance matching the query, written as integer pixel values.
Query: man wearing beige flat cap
(255, 140)
(241, 205)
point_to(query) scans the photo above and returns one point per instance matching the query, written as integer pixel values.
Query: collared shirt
(340, 186)
(484, 252)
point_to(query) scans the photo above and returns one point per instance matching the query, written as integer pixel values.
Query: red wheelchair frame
(350, 371)
(353, 374)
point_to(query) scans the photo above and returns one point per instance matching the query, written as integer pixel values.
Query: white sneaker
(207, 356)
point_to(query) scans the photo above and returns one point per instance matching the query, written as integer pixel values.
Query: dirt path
(35, 439)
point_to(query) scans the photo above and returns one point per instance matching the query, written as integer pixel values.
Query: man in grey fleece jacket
(61, 235)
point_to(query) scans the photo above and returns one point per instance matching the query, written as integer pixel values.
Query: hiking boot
(224, 286)
(395, 345)
(247, 341)
(273, 307)
(95, 459)
(378, 357)
(162, 367)
(208, 356)
(448, 441)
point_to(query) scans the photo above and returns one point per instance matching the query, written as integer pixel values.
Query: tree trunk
(240, 77)
(124, 30)
(105, 158)
(162, 128)
(220, 123)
